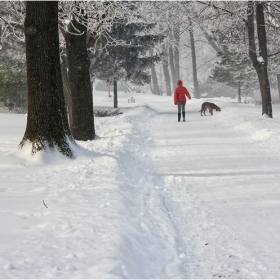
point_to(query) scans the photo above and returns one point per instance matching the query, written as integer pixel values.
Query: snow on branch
(260, 60)
(12, 20)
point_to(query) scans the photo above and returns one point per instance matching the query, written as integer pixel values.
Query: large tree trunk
(166, 72)
(81, 101)
(261, 67)
(195, 80)
(47, 124)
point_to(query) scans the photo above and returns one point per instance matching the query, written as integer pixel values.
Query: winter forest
(214, 46)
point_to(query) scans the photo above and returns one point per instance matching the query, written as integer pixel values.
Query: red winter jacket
(180, 94)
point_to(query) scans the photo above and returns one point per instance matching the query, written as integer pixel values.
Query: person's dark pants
(181, 109)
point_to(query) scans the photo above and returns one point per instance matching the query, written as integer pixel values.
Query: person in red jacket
(180, 99)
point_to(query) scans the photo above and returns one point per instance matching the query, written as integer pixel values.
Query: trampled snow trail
(214, 237)
(149, 198)
(151, 245)
(104, 216)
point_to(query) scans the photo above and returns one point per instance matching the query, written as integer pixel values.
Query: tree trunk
(166, 72)
(239, 92)
(81, 101)
(66, 84)
(261, 67)
(126, 87)
(109, 90)
(47, 124)
(166, 77)
(115, 93)
(151, 88)
(195, 81)
(278, 82)
(210, 40)
(177, 53)
(172, 67)
(156, 89)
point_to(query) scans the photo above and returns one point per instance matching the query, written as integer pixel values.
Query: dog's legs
(211, 111)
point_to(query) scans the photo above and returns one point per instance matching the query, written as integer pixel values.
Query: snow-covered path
(148, 198)
(213, 178)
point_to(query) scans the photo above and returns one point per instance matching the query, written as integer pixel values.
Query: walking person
(180, 99)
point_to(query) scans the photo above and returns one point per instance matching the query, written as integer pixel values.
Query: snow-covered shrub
(107, 113)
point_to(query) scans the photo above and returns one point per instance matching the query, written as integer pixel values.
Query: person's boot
(184, 116)
(179, 117)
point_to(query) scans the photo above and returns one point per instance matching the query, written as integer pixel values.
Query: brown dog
(210, 106)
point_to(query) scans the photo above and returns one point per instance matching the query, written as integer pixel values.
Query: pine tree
(233, 67)
(129, 59)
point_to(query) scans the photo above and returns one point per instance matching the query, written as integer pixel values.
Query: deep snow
(148, 198)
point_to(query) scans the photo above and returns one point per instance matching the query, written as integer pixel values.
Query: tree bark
(166, 72)
(156, 89)
(172, 67)
(239, 92)
(177, 53)
(47, 124)
(278, 82)
(66, 84)
(115, 93)
(194, 67)
(81, 114)
(261, 67)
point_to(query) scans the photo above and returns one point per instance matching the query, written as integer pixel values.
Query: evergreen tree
(234, 67)
(128, 59)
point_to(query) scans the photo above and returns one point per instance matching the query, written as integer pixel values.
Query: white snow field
(150, 197)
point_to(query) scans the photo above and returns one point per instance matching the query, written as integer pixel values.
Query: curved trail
(200, 167)
(149, 198)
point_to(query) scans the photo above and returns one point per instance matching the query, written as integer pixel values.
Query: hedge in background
(13, 87)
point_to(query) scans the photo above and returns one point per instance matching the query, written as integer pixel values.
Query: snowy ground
(148, 198)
